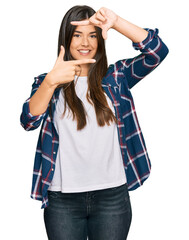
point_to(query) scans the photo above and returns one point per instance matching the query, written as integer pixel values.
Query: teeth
(84, 51)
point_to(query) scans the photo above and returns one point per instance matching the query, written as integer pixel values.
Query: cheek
(73, 49)
(95, 45)
(74, 44)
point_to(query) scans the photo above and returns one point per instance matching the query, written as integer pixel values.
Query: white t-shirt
(88, 159)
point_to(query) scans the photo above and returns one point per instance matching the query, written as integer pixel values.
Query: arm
(35, 107)
(106, 19)
(152, 48)
(27, 119)
(62, 72)
(153, 52)
(129, 30)
(39, 101)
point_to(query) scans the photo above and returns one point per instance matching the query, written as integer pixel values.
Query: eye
(76, 35)
(93, 36)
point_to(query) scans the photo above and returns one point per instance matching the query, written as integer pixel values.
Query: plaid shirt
(120, 78)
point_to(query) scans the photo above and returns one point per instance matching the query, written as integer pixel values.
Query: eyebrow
(89, 33)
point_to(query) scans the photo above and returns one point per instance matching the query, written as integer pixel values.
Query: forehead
(85, 29)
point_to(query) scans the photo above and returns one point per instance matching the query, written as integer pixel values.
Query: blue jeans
(99, 215)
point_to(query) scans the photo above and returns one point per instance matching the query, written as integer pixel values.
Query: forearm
(40, 100)
(131, 31)
(153, 51)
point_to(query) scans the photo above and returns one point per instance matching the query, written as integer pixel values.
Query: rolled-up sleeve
(27, 120)
(153, 51)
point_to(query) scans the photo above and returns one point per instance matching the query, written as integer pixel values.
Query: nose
(85, 41)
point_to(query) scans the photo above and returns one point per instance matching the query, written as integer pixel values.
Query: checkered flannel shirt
(120, 78)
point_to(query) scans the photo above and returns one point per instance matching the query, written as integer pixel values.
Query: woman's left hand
(103, 18)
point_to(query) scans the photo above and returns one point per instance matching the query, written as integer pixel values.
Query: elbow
(164, 52)
(30, 123)
(156, 54)
(28, 126)
(27, 120)
(25, 123)
(161, 49)
(25, 126)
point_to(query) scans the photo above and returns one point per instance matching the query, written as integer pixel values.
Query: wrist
(49, 83)
(116, 22)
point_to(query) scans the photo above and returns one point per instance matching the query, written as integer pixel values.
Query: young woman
(91, 149)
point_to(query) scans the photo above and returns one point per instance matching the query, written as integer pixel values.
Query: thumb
(61, 53)
(104, 34)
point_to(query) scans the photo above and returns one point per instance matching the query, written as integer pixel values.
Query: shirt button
(52, 169)
(54, 152)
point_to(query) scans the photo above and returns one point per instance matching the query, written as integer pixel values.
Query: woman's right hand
(64, 71)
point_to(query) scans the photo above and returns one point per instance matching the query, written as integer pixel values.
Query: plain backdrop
(29, 34)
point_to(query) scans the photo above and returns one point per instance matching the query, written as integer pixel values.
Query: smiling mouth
(84, 52)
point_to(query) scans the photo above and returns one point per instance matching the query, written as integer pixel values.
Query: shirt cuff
(28, 116)
(144, 44)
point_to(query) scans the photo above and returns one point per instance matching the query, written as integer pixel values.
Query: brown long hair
(97, 71)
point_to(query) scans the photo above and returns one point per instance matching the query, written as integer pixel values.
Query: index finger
(81, 23)
(83, 61)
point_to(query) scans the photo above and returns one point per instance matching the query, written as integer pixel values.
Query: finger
(102, 12)
(83, 61)
(81, 23)
(78, 68)
(100, 17)
(104, 34)
(94, 21)
(61, 53)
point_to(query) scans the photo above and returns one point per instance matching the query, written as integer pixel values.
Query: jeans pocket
(124, 189)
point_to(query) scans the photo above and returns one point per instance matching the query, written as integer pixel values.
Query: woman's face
(84, 42)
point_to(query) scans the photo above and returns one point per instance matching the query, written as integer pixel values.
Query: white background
(29, 34)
